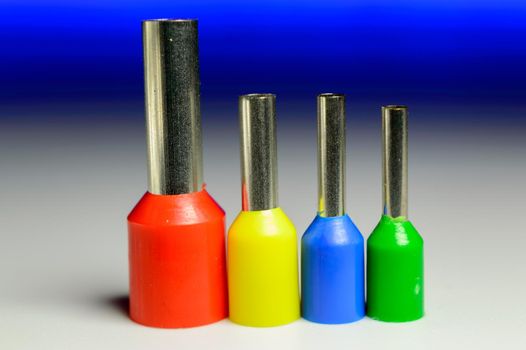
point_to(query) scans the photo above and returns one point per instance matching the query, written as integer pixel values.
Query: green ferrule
(395, 271)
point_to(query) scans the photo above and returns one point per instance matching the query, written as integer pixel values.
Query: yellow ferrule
(263, 269)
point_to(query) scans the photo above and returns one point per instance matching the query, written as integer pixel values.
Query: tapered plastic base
(395, 271)
(177, 261)
(332, 271)
(263, 269)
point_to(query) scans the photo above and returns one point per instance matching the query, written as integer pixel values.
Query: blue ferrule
(332, 271)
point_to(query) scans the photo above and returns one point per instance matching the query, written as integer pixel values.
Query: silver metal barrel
(173, 118)
(394, 137)
(259, 174)
(331, 155)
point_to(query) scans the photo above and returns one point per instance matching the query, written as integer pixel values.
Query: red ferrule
(177, 261)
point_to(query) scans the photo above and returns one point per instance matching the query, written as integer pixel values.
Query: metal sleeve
(394, 137)
(173, 119)
(331, 155)
(259, 175)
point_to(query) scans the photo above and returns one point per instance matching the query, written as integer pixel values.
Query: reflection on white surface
(66, 190)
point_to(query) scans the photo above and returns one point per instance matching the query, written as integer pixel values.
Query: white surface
(63, 250)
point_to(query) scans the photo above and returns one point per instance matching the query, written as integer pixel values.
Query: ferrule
(331, 155)
(332, 247)
(395, 255)
(394, 160)
(262, 242)
(173, 118)
(259, 172)
(176, 231)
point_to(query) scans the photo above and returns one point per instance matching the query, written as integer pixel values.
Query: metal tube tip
(173, 117)
(331, 154)
(394, 139)
(259, 96)
(331, 95)
(257, 117)
(181, 21)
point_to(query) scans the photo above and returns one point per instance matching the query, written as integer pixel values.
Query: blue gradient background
(73, 157)
(467, 53)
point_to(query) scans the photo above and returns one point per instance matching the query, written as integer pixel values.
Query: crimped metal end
(394, 145)
(259, 174)
(331, 155)
(173, 118)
